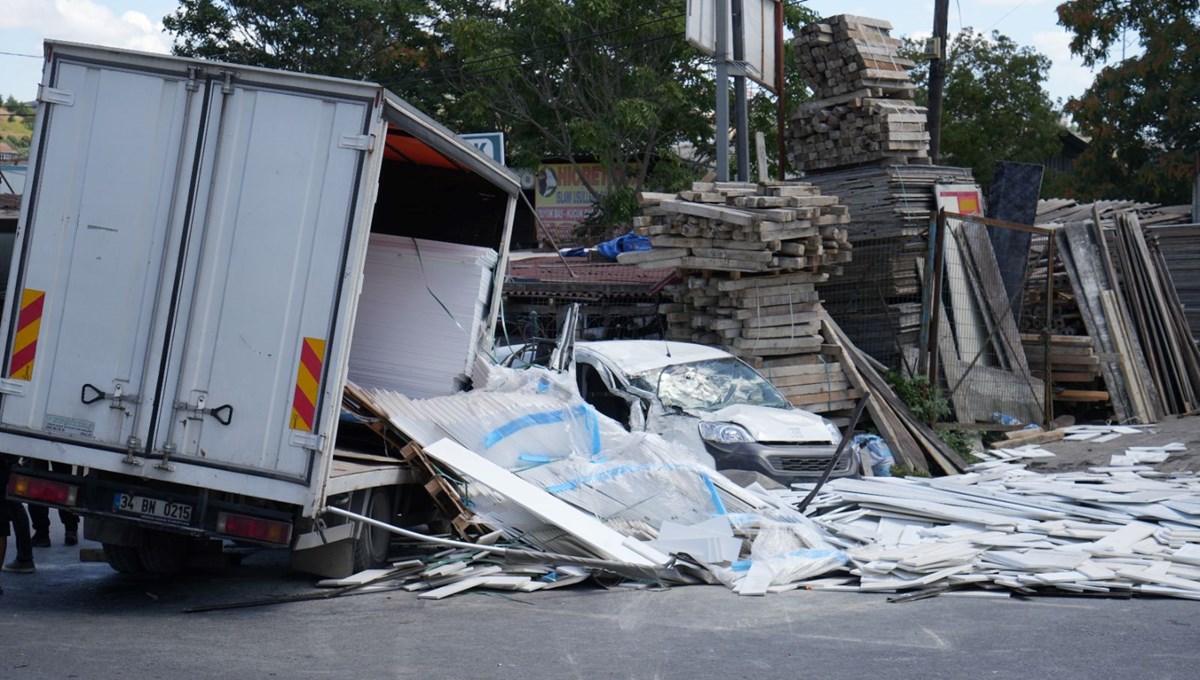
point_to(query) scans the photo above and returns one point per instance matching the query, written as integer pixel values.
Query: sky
(137, 24)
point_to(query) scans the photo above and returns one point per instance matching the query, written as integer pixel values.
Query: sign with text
(563, 199)
(490, 144)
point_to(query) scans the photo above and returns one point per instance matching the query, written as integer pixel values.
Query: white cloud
(1068, 76)
(86, 21)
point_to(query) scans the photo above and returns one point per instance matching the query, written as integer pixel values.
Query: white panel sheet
(404, 340)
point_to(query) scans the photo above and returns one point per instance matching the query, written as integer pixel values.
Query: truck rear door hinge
(314, 442)
(227, 81)
(50, 95)
(194, 75)
(357, 142)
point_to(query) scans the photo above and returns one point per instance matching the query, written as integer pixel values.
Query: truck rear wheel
(372, 545)
(164, 553)
(123, 558)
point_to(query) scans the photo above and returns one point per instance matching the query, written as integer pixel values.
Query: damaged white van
(708, 400)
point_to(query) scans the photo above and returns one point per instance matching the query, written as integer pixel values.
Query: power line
(18, 54)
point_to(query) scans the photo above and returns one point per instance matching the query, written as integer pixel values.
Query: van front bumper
(783, 463)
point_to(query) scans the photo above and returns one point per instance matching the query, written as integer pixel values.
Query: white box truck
(183, 291)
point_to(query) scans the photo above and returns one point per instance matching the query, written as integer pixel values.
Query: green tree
(610, 79)
(376, 40)
(994, 105)
(1141, 109)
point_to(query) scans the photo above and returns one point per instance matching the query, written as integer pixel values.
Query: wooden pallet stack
(750, 257)
(864, 111)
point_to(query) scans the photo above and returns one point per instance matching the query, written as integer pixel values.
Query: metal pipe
(525, 556)
(741, 116)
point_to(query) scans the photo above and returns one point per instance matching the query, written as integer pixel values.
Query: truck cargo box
(188, 266)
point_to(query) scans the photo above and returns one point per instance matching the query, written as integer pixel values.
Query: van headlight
(835, 435)
(724, 433)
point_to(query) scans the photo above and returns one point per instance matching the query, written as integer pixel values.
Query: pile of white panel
(420, 315)
(1097, 434)
(552, 474)
(1004, 528)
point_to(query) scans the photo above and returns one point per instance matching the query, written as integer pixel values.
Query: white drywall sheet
(420, 315)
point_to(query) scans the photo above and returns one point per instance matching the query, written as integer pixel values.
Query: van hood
(766, 424)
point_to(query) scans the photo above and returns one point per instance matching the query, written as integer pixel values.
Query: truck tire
(123, 558)
(164, 553)
(372, 544)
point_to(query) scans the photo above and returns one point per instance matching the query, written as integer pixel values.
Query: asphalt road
(81, 620)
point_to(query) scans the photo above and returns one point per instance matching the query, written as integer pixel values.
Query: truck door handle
(83, 394)
(226, 410)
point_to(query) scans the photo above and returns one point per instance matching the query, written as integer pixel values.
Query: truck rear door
(187, 269)
(114, 146)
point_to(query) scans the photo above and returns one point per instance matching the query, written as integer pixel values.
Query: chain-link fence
(990, 312)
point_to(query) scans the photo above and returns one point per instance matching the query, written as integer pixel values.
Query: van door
(102, 235)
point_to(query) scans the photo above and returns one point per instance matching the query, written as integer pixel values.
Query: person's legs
(23, 562)
(39, 517)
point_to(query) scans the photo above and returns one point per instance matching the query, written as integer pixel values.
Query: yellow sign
(563, 198)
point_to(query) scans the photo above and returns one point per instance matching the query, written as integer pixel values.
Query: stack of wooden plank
(878, 294)
(1180, 248)
(1073, 358)
(750, 257)
(1157, 318)
(890, 201)
(1085, 257)
(846, 53)
(864, 111)
(742, 227)
(834, 133)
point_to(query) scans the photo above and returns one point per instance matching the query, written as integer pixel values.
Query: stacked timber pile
(1119, 294)
(877, 297)
(750, 256)
(1179, 246)
(864, 111)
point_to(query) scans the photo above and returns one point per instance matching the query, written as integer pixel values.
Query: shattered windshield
(710, 385)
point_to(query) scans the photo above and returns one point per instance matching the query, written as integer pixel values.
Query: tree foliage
(610, 79)
(1141, 110)
(994, 105)
(376, 40)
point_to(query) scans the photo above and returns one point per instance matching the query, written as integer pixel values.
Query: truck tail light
(254, 528)
(31, 488)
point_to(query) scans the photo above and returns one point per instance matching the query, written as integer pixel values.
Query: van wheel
(372, 545)
(164, 553)
(123, 558)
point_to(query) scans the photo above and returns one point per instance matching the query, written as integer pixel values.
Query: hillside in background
(16, 124)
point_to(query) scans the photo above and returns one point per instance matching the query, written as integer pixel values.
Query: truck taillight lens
(254, 528)
(30, 488)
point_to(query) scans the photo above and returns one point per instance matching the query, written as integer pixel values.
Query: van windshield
(709, 385)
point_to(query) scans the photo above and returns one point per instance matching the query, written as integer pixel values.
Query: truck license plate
(179, 513)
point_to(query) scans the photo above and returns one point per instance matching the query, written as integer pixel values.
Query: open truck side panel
(186, 273)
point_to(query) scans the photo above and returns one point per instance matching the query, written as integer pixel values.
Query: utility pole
(741, 115)
(722, 91)
(780, 92)
(937, 77)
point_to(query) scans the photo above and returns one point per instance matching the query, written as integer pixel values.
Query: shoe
(40, 540)
(20, 567)
(71, 538)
